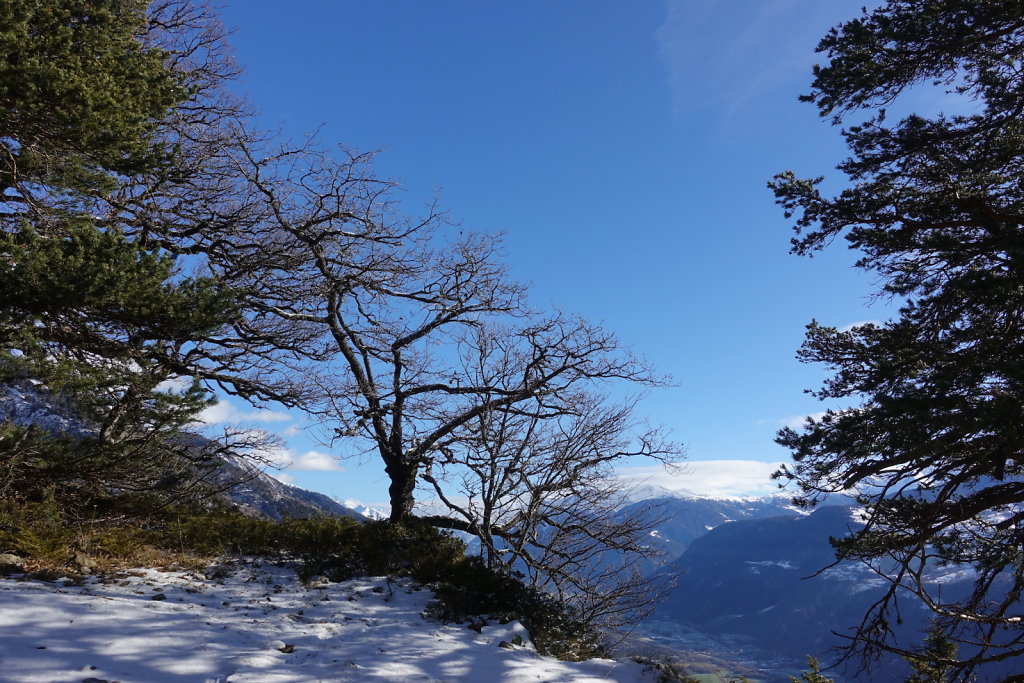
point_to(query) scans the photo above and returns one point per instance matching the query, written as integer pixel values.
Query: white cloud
(175, 385)
(282, 477)
(287, 459)
(224, 412)
(850, 326)
(315, 460)
(798, 421)
(720, 478)
(275, 457)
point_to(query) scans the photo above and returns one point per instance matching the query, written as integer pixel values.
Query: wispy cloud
(723, 56)
(224, 412)
(722, 478)
(798, 421)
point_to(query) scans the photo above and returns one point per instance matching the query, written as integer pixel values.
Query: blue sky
(623, 148)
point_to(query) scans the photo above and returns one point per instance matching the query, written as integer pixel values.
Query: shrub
(34, 529)
(470, 589)
(338, 548)
(664, 669)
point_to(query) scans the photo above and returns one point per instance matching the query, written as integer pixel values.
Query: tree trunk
(403, 482)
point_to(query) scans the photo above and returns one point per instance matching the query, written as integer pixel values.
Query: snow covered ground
(257, 625)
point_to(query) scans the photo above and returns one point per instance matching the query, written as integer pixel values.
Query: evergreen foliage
(665, 670)
(934, 663)
(812, 674)
(469, 590)
(95, 291)
(79, 94)
(93, 319)
(935, 206)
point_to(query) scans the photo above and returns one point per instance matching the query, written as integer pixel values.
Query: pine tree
(812, 674)
(79, 96)
(93, 318)
(96, 320)
(935, 205)
(933, 663)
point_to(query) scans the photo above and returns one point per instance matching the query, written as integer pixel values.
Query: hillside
(258, 493)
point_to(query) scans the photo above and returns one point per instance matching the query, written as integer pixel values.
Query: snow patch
(368, 511)
(953, 574)
(258, 624)
(784, 564)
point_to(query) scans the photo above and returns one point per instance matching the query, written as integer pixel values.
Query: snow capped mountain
(649, 491)
(678, 519)
(367, 511)
(22, 403)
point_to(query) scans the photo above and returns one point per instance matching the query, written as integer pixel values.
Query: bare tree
(198, 206)
(535, 483)
(433, 361)
(414, 335)
(412, 392)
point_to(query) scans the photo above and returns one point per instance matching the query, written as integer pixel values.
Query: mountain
(678, 519)
(764, 590)
(747, 577)
(367, 511)
(258, 493)
(25, 402)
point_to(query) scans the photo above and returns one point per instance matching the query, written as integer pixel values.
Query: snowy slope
(24, 403)
(257, 625)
